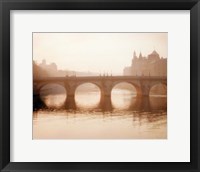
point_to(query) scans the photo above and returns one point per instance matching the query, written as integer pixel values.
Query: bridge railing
(101, 77)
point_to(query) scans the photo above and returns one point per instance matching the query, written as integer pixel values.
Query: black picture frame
(7, 5)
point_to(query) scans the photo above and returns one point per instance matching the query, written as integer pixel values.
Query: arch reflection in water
(142, 120)
(149, 104)
(123, 96)
(158, 97)
(158, 90)
(158, 102)
(87, 96)
(53, 95)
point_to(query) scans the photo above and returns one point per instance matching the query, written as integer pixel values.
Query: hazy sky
(96, 52)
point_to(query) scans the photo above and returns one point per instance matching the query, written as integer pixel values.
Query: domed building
(154, 56)
(152, 65)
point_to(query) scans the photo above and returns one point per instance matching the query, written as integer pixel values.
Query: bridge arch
(38, 86)
(135, 84)
(123, 95)
(98, 84)
(51, 94)
(158, 88)
(92, 90)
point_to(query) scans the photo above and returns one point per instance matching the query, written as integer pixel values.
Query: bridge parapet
(95, 78)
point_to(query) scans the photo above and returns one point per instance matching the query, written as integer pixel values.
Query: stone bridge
(143, 84)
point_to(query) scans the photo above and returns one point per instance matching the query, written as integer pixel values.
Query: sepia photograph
(99, 85)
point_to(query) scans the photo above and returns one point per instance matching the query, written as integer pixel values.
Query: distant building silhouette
(52, 68)
(38, 71)
(152, 65)
(53, 71)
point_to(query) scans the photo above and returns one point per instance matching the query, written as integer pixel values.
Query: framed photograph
(99, 85)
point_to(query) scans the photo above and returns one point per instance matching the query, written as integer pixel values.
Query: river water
(129, 118)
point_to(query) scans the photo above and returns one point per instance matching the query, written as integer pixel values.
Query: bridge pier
(144, 90)
(145, 104)
(70, 102)
(106, 103)
(142, 101)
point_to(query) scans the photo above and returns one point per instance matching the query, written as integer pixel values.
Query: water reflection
(53, 95)
(129, 118)
(93, 94)
(123, 96)
(91, 101)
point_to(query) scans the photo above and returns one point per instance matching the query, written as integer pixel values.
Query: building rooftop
(154, 53)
